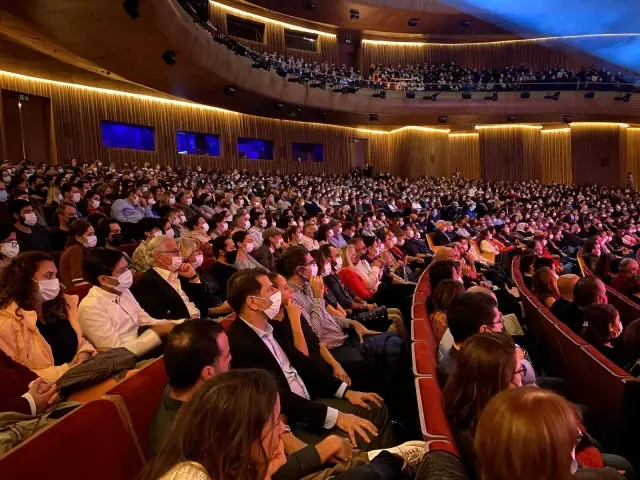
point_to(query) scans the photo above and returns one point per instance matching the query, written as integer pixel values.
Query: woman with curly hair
(38, 323)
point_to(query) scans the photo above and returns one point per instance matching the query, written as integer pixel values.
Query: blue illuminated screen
(192, 143)
(255, 149)
(127, 135)
(307, 152)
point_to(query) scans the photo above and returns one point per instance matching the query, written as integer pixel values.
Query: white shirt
(172, 279)
(296, 384)
(370, 275)
(110, 321)
(309, 243)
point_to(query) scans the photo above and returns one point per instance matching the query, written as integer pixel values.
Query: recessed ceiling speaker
(229, 90)
(465, 23)
(132, 7)
(169, 57)
(373, 117)
(413, 22)
(311, 6)
(354, 14)
(511, 118)
(442, 119)
(567, 119)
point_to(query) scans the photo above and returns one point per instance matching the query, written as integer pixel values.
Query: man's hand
(80, 357)
(376, 263)
(361, 330)
(43, 394)
(334, 449)
(143, 202)
(370, 306)
(186, 270)
(353, 424)
(294, 312)
(340, 374)
(317, 286)
(360, 399)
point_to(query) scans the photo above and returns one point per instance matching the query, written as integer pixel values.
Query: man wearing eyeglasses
(9, 247)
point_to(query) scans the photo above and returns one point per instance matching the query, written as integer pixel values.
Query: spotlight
(322, 113)
(281, 72)
(413, 22)
(465, 23)
(567, 119)
(381, 94)
(590, 95)
(279, 105)
(132, 7)
(311, 6)
(525, 95)
(169, 57)
(229, 90)
(433, 97)
(347, 40)
(466, 95)
(354, 14)
(555, 96)
(511, 118)
(410, 94)
(442, 119)
(626, 98)
(373, 117)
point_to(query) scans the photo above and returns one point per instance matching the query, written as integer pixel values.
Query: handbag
(98, 368)
(376, 319)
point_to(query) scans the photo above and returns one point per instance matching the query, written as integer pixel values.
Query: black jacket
(265, 258)
(441, 238)
(249, 351)
(158, 298)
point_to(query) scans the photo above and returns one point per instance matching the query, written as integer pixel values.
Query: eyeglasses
(13, 243)
(174, 252)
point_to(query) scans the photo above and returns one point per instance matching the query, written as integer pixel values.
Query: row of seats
(490, 257)
(606, 390)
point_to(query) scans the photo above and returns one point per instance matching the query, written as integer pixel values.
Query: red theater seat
(421, 332)
(424, 360)
(628, 310)
(128, 248)
(80, 290)
(419, 311)
(228, 320)
(419, 297)
(142, 393)
(441, 446)
(93, 442)
(207, 263)
(433, 421)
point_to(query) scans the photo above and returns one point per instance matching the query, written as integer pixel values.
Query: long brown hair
(445, 292)
(543, 285)
(220, 428)
(528, 434)
(484, 367)
(17, 285)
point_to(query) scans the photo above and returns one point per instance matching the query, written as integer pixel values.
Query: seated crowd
(318, 273)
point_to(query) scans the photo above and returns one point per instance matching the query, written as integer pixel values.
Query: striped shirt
(327, 327)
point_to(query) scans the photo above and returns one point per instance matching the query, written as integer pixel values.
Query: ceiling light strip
(259, 18)
(474, 134)
(595, 124)
(539, 127)
(502, 42)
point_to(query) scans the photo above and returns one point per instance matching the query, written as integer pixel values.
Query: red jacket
(354, 283)
(15, 379)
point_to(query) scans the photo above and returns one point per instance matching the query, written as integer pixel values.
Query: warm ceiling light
(623, 125)
(553, 130)
(411, 127)
(269, 20)
(478, 127)
(475, 134)
(497, 42)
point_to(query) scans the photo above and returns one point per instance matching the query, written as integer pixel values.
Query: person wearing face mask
(158, 290)
(39, 324)
(270, 251)
(241, 222)
(221, 226)
(245, 246)
(29, 236)
(205, 294)
(132, 208)
(185, 203)
(198, 231)
(150, 228)
(602, 330)
(92, 203)
(238, 203)
(110, 236)
(308, 239)
(258, 224)
(70, 194)
(9, 247)
(81, 239)
(3, 193)
(222, 270)
(110, 316)
(337, 240)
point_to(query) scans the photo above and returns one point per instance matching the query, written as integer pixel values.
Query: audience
(444, 294)
(602, 327)
(544, 286)
(587, 291)
(565, 284)
(81, 239)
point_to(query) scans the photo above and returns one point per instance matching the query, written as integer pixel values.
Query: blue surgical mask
(3, 195)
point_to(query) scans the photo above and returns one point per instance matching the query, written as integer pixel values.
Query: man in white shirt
(308, 241)
(109, 315)
(259, 223)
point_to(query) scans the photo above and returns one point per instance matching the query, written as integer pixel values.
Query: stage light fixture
(322, 113)
(381, 94)
(525, 95)
(354, 14)
(433, 97)
(279, 105)
(590, 95)
(626, 98)
(373, 117)
(410, 94)
(466, 95)
(132, 7)
(492, 97)
(229, 90)
(169, 57)
(555, 96)
(413, 22)
(465, 23)
(442, 119)
(281, 72)
(511, 118)
(311, 6)
(567, 119)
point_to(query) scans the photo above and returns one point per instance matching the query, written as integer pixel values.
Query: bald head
(479, 289)
(566, 284)
(447, 253)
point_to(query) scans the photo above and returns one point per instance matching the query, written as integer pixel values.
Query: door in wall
(358, 152)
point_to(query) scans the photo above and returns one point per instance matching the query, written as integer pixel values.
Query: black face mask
(116, 239)
(230, 257)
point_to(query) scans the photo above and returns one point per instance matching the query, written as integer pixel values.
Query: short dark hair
(190, 347)
(440, 270)
(597, 319)
(239, 237)
(218, 244)
(100, 261)
(291, 259)
(589, 245)
(147, 224)
(103, 230)
(132, 191)
(326, 249)
(66, 187)
(527, 262)
(242, 285)
(468, 312)
(16, 206)
(585, 291)
(348, 225)
(5, 230)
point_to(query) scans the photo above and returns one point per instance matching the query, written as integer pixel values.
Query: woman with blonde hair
(54, 197)
(531, 434)
(544, 286)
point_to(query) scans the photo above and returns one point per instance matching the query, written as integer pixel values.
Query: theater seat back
(628, 310)
(141, 394)
(80, 290)
(433, 420)
(94, 442)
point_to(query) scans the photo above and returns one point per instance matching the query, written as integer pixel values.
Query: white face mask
(224, 227)
(247, 225)
(125, 280)
(248, 247)
(92, 241)
(274, 308)
(205, 227)
(338, 264)
(76, 197)
(263, 223)
(176, 263)
(151, 201)
(327, 269)
(9, 250)
(198, 261)
(60, 197)
(172, 200)
(189, 201)
(170, 233)
(229, 219)
(48, 289)
(157, 233)
(30, 219)
(314, 270)
(95, 203)
(394, 240)
(183, 218)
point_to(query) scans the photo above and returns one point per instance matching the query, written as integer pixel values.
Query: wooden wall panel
(632, 155)
(596, 153)
(555, 156)
(464, 155)
(510, 153)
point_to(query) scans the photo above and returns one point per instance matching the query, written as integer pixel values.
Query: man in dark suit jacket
(313, 400)
(442, 237)
(268, 253)
(158, 291)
